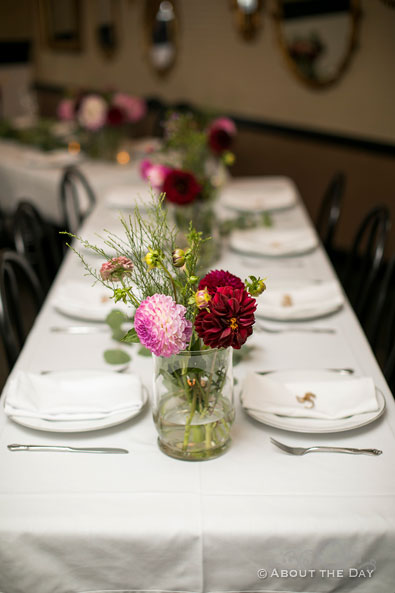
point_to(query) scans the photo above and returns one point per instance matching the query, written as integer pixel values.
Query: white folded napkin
(299, 302)
(257, 194)
(274, 243)
(126, 197)
(81, 300)
(335, 399)
(73, 395)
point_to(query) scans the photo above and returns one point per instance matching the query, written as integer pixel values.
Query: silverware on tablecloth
(345, 371)
(323, 449)
(296, 329)
(65, 449)
(79, 329)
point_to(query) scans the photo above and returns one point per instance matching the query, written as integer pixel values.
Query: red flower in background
(228, 320)
(181, 187)
(220, 134)
(217, 278)
(115, 116)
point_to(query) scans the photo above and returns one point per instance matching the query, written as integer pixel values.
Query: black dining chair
(77, 198)
(330, 210)
(381, 323)
(21, 297)
(38, 241)
(365, 260)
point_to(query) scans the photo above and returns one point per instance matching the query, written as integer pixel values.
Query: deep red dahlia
(115, 116)
(217, 278)
(228, 320)
(219, 140)
(180, 187)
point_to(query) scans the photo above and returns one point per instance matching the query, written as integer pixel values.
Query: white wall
(217, 68)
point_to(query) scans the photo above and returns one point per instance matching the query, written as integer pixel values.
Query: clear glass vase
(203, 217)
(193, 403)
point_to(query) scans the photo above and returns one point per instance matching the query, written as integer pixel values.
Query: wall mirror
(161, 23)
(60, 22)
(247, 18)
(107, 26)
(317, 37)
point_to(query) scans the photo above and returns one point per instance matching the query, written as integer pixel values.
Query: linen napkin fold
(333, 400)
(73, 395)
(272, 242)
(257, 194)
(296, 302)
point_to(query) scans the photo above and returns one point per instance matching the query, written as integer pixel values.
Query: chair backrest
(329, 213)
(36, 239)
(19, 285)
(77, 198)
(381, 323)
(365, 259)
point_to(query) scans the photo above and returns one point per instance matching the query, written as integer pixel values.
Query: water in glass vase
(193, 404)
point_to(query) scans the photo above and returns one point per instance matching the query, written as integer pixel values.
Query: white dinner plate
(270, 242)
(81, 300)
(315, 425)
(80, 425)
(299, 300)
(259, 194)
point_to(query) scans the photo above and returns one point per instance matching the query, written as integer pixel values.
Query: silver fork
(322, 449)
(313, 330)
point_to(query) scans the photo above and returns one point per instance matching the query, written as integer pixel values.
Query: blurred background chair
(21, 297)
(77, 198)
(38, 241)
(330, 210)
(364, 262)
(381, 324)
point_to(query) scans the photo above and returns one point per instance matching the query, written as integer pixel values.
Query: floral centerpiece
(189, 170)
(102, 120)
(189, 324)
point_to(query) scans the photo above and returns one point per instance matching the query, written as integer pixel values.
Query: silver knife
(63, 448)
(79, 329)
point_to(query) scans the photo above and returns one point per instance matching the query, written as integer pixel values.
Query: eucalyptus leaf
(142, 351)
(116, 356)
(131, 337)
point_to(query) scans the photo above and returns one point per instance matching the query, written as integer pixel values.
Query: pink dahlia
(217, 278)
(228, 318)
(66, 109)
(153, 173)
(161, 325)
(116, 268)
(134, 108)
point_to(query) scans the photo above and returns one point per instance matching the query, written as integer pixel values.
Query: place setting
(312, 400)
(259, 194)
(73, 400)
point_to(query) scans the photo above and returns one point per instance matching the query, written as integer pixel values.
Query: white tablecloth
(21, 178)
(146, 522)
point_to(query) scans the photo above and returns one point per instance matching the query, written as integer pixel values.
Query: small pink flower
(134, 108)
(161, 325)
(92, 112)
(224, 123)
(116, 268)
(154, 173)
(66, 109)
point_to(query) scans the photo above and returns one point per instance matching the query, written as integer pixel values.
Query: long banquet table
(254, 519)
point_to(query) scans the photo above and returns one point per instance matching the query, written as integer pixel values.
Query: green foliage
(142, 351)
(115, 319)
(116, 356)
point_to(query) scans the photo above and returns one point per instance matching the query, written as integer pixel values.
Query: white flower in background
(92, 113)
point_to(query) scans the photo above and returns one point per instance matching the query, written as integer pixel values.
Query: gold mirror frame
(106, 50)
(247, 22)
(47, 26)
(354, 14)
(152, 9)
